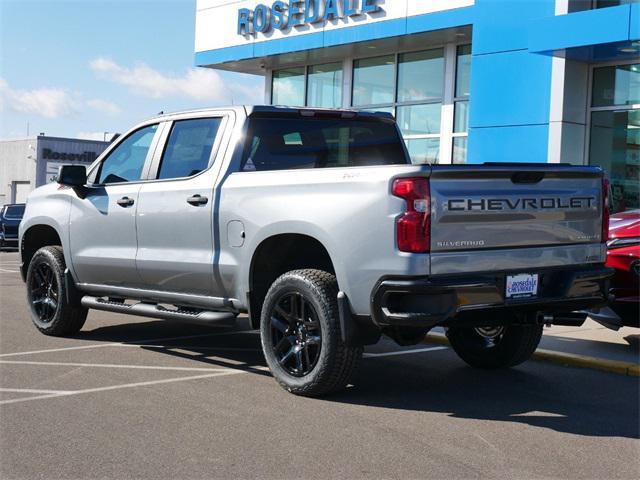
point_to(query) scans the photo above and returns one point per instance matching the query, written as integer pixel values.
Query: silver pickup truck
(316, 224)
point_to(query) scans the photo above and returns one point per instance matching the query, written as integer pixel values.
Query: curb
(570, 359)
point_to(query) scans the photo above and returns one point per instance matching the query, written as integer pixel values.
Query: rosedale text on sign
(291, 13)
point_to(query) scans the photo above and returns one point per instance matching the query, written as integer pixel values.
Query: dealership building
(27, 163)
(468, 81)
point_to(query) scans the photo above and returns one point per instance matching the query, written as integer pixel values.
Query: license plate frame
(521, 285)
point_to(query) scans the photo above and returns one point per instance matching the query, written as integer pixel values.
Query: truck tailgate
(491, 207)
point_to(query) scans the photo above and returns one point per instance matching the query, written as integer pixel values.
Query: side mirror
(72, 175)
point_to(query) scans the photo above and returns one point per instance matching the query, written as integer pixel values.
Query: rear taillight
(413, 227)
(605, 210)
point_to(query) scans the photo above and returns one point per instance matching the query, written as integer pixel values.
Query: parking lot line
(404, 352)
(32, 390)
(110, 365)
(126, 385)
(134, 343)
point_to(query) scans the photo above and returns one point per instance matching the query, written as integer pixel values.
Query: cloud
(104, 106)
(200, 84)
(47, 102)
(101, 136)
(50, 102)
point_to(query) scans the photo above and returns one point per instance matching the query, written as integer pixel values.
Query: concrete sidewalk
(590, 346)
(594, 340)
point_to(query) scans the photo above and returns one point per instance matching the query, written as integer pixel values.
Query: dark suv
(10, 217)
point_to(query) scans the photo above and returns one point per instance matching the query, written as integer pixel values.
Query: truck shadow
(563, 399)
(567, 400)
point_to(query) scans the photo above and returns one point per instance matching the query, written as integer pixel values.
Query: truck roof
(270, 110)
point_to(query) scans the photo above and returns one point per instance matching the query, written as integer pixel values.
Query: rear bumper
(429, 301)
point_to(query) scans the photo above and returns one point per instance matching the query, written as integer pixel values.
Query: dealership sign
(49, 154)
(291, 13)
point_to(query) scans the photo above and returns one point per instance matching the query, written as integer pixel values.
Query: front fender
(49, 206)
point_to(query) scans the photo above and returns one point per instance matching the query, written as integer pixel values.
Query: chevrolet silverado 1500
(316, 224)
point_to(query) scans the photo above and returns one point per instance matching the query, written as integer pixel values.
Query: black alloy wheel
(296, 334)
(52, 311)
(44, 293)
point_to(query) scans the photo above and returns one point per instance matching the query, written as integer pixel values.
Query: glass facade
(414, 68)
(374, 81)
(615, 131)
(324, 85)
(461, 104)
(411, 86)
(313, 86)
(616, 85)
(429, 100)
(288, 86)
(613, 3)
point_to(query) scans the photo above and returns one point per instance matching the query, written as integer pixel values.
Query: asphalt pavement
(134, 398)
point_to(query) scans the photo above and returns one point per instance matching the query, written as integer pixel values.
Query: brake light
(414, 226)
(605, 210)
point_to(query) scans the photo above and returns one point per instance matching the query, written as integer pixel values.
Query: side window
(125, 162)
(188, 147)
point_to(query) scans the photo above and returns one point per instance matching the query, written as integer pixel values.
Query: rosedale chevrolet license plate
(522, 285)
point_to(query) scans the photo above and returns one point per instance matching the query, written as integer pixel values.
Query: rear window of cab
(284, 143)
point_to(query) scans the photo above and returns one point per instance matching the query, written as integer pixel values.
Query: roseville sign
(89, 157)
(292, 13)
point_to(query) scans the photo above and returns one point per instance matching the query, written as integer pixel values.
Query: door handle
(125, 202)
(197, 200)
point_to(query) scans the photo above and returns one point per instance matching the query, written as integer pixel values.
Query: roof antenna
(161, 112)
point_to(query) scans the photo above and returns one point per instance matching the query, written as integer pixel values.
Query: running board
(158, 311)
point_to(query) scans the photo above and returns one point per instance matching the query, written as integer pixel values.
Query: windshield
(281, 143)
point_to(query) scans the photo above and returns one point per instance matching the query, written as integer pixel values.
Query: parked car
(624, 256)
(316, 224)
(10, 217)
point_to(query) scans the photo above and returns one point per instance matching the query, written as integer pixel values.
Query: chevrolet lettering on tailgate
(497, 204)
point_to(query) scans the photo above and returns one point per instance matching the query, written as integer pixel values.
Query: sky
(80, 68)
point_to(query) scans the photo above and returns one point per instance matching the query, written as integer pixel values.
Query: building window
(615, 131)
(461, 104)
(411, 86)
(427, 91)
(324, 85)
(421, 75)
(314, 86)
(288, 86)
(374, 81)
(612, 3)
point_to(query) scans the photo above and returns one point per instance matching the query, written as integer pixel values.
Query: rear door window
(281, 143)
(188, 148)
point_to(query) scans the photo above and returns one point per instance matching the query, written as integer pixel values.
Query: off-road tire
(336, 362)
(516, 345)
(68, 319)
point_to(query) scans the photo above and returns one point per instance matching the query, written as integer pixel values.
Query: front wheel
(300, 334)
(51, 313)
(495, 347)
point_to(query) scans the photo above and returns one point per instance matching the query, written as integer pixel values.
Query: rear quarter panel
(349, 210)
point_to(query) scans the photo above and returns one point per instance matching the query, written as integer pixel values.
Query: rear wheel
(300, 333)
(496, 346)
(51, 313)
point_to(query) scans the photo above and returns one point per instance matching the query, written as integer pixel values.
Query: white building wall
(217, 20)
(18, 163)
